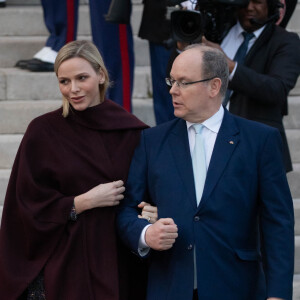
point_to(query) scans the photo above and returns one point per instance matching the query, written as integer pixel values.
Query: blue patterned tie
(240, 58)
(198, 160)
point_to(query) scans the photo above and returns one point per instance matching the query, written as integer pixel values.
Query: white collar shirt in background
(234, 39)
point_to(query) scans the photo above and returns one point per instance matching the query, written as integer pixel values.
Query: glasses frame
(170, 82)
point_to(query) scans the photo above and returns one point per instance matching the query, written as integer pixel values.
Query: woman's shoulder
(46, 119)
(43, 126)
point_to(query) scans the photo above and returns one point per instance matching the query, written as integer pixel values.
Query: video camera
(211, 18)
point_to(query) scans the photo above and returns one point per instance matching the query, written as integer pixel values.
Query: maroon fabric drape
(58, 159)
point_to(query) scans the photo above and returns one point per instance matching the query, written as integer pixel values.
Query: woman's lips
(77, 99)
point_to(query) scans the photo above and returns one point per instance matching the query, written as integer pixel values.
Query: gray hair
(214, 64)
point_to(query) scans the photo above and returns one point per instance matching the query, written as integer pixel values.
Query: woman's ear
(101, 77)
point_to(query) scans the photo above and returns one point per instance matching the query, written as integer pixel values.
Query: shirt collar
(239, 29)
(213, 123)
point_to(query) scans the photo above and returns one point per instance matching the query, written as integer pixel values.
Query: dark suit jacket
(262, 85)
(154, 25)
(245, 187)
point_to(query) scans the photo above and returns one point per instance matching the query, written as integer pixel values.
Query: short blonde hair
(88, 51)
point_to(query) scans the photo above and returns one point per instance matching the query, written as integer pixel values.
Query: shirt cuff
(143, 248)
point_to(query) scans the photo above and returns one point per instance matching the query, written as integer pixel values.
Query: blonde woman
(57, 238)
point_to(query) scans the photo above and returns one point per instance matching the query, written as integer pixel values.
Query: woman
(57, 238)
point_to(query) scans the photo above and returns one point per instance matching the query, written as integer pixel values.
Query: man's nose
(250, 5)
(174, 88)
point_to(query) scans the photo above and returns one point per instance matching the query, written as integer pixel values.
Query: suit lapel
(265, 36)
(226, 142)
(179, 145)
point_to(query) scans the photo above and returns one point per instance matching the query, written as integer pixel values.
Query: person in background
(156, 28)
(261, 78)
(226, 222)
(57, 237)
(114, 41)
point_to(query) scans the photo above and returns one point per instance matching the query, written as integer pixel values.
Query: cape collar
(106, 116)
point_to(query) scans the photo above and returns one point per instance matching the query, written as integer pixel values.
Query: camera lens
(187, 26)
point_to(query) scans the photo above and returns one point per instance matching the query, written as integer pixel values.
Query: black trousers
(195, 295)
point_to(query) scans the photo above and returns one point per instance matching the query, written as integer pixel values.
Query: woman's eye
(63, 81)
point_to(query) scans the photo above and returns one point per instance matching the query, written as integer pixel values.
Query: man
(261, 82)
(238, 242)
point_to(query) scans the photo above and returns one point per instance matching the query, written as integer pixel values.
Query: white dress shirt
(234, 39)
(209, 134)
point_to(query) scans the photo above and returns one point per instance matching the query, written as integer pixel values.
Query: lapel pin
(231, 142)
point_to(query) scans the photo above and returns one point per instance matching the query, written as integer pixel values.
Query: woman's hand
(102, 195)
(149, 212)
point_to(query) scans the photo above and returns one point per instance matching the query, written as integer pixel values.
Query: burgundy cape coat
(58, 159)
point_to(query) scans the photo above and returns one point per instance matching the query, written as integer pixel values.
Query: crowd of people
(99, 206)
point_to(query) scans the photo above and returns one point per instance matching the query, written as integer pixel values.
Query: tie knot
(247, 35)
(198, 128)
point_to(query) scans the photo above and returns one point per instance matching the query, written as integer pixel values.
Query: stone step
(294, 179)
(296, 287)
(16, 115)
(297, 254)
(293, 136)
(294, 23)
(14, 84)
(36, 2)
(14, 48)
(9, 144)
(292, 121)
(4, 177)
(12, 19)
(9, 90)
(297, 216)
(296, 90)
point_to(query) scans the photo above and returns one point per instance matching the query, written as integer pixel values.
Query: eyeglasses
(180, 84)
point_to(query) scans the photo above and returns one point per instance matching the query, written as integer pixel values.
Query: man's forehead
(186, 63)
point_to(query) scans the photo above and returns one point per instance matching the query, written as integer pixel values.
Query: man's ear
(214, 87)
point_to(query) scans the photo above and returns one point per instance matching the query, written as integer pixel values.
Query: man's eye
(83, 77)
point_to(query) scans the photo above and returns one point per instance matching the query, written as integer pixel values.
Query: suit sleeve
(281, 70)
(128, 224)
(277, 220)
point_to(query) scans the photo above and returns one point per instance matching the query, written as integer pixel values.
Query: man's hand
(272, 298)
(162, 234)
(231, 63)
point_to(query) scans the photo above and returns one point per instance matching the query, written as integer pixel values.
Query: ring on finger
(149, 219)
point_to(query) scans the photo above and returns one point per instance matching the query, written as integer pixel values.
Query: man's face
(256, 9)
(190, 102)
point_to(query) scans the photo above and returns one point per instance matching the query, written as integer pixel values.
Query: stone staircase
(25, 95)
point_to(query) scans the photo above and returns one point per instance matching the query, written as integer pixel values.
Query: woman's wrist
(81, 203)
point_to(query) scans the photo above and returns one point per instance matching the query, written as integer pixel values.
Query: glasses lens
(168, 82)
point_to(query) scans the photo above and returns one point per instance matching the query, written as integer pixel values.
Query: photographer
(260, 81)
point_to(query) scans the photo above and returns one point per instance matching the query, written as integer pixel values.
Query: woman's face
(79, 83)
